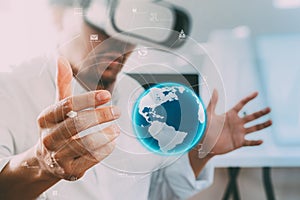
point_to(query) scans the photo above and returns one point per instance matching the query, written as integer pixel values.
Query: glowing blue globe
(169, 118)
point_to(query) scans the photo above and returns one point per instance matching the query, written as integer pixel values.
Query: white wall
(259, 15)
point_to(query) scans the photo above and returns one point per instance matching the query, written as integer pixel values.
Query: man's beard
(100, 76)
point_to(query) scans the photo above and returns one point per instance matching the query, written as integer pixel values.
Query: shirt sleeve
(178, 181)
(7, 142)
(6, 147)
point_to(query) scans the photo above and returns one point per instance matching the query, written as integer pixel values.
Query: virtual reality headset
(145, 22)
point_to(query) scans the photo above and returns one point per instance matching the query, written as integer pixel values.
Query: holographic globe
(169, 118)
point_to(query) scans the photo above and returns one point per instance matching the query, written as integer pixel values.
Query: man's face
(102, 64)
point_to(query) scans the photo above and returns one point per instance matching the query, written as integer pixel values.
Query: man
(40, 158)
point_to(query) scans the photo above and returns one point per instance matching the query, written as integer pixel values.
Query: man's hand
(233, 132)
(226, 132)
(62, 152)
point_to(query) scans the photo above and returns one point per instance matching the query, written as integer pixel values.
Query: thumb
(63, 79)
(213, 101)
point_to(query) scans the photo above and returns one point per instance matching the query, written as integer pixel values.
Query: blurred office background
(256, 46)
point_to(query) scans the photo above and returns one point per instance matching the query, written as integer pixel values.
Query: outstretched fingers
(89, 144)
(259, 127)
(238, 107)
(213, 101)
(58, 112)
(252, 143)
(256, 115)
(63, 79)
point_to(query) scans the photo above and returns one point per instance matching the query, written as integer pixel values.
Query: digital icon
(94, 37)
(143, 52)
(78, 11)
(153, 17)
(182, 35)
(134, 10)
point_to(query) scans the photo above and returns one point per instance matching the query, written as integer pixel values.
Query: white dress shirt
(130, 172)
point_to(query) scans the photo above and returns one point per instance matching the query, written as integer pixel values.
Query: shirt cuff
(207, 174)
(204, 179)
(182, 181)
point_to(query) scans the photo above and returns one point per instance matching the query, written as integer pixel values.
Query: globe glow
(169, 118)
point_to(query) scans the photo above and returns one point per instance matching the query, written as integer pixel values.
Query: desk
(267, 156)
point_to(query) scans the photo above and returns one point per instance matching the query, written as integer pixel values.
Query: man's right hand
(61, 152)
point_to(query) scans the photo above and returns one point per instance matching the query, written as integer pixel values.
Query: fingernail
(103, 95)
(267, 109)
(116, 111)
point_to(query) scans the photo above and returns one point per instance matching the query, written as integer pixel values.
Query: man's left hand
(233, 132)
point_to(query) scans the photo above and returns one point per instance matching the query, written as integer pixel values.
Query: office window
(279, 61)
